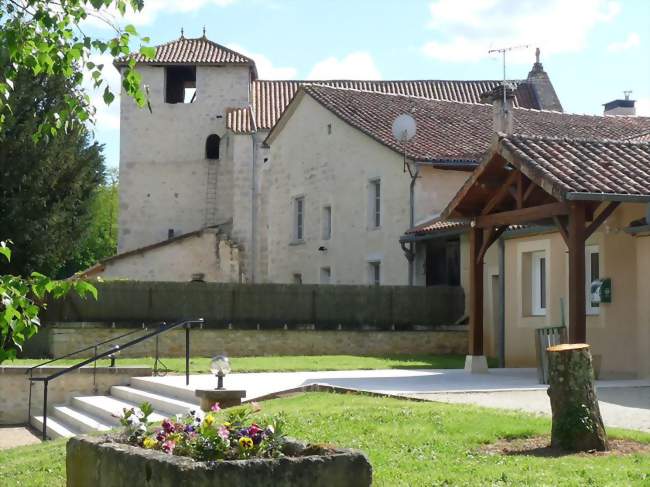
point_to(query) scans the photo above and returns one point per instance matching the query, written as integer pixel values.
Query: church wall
(163, 169)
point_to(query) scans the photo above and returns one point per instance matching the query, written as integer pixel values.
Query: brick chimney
(621, 107)
(501, 113)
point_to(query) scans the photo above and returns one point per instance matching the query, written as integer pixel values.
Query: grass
(201, 365)
(408, 443)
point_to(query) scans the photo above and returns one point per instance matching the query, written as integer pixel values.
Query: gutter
(253, 258)
(622, 197)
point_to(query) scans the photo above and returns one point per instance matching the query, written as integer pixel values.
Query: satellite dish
(404, 128)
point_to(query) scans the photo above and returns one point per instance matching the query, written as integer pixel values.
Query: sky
(592, 50)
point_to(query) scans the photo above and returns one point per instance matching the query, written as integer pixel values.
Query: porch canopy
(575, 184)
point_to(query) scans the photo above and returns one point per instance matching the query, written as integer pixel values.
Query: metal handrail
(162, 329)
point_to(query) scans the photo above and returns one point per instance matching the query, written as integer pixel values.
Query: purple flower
(168, 426)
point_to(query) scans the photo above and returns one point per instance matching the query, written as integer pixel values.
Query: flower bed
(238, 448)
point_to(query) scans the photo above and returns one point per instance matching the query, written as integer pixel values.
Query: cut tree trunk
(577, 424)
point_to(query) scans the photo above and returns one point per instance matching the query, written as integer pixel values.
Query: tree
(22, 299)
(99, 238)
(47, 38)
(46, 186)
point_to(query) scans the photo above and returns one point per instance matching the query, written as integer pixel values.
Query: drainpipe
(410, 254)
(253, 249)
(501, 338)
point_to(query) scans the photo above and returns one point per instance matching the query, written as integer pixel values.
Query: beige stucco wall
(335, 169)
(207, 253)
(619, 333)
(163, 170)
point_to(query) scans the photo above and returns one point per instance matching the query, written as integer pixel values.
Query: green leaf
(108, 96)
(148, 51)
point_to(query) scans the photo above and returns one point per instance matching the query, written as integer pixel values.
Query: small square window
(538, 283)
(374, 273)
(297, 278)
(327, 222)
(299, 218)
(375, 203)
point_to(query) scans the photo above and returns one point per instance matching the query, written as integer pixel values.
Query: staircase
(89, 414)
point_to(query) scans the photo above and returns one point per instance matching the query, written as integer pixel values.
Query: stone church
(231, 178)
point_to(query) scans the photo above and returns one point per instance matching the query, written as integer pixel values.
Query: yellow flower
(245, 442)
(226, 424)
(150, 443)
(209, 420)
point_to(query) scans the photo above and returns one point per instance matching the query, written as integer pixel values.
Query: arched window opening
(212, 146)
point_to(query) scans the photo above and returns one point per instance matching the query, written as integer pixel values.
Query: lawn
(409, 444)
(201, 365)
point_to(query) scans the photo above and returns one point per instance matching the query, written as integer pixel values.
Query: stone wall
(66, 338)
(266, 305)
(14, 387)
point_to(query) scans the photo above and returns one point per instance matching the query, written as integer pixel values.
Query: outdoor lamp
(220, 366)
(113, 355)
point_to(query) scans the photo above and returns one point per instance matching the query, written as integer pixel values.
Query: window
(442, 264)
(212, 146)
(327, 222)
(325, 275)
(374, 274)
(180, 84)
(298, 218)
(297, 278)
(538, 284)
(375, 203)
(592, 270)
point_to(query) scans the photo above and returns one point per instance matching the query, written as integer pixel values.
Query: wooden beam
(520, 190)
(577, 284)
(522, 215)
(602, 216)
(501, 193)
(529, 190)
(561, 226)
(490, 235)
(475, 292)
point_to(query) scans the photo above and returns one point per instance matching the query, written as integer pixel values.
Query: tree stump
(577, 424)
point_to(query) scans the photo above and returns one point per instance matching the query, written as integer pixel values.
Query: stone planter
(100, 462)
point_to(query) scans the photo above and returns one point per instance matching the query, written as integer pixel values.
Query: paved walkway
(624, 403)
(11, 436)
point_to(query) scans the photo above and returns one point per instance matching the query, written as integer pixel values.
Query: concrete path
(624, 403)
(12, 436)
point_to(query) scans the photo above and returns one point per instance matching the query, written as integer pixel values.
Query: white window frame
(374, 200)
(589, 277)
(374, 272)
(539, 283)
(327, 222)
(299, 219)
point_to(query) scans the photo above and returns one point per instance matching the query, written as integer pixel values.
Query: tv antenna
(404, 128)
(503, 51)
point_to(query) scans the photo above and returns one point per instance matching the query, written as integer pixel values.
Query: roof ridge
(606, 140)
(421, 80)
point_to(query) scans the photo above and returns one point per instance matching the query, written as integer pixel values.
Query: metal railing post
(187, 354)
(95, 369)
(45, 410)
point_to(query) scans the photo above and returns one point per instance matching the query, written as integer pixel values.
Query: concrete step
(163, 404)
(172, 391)
(82, 421)
(55, 427)
(106, 408)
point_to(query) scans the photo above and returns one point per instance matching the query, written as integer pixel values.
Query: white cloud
(107, 117)
(151, 10)
(356, 65)
(632, 40)
(643, 106)
(265, 67)
(466, 29)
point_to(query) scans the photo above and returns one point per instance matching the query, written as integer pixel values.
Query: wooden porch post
(475, 292)
(577, 290)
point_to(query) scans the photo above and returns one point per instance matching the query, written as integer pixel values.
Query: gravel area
(621, 407)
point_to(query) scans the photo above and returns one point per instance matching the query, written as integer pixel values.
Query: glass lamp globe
(220, 366)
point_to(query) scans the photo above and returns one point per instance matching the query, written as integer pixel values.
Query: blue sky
(592, 49)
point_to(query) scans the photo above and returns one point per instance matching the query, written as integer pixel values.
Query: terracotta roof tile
(599, 166)
(192, 51)
(453, 134)
(240, 120)
(270, 97)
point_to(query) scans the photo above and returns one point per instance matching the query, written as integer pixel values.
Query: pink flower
(223, 432)
(168, 446)
(215, 407)
(168, 426)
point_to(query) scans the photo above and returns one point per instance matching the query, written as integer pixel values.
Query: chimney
(501, 113)
(621, 107)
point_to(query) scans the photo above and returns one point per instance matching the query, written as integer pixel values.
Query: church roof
(454, 135)
(191, 51)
